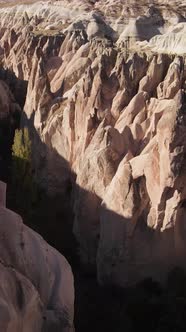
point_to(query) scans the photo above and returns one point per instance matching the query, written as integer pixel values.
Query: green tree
(22, 144)
(24, 187)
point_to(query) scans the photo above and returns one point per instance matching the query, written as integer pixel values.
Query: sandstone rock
(37, 279)
(21, 306)
(100, 162)
(172, 83)
(113, 115)
(142, 28)
(154, 75)
(98, 28)
(159, 201)
(173, 41)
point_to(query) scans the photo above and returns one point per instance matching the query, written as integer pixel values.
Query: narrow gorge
(100, 89)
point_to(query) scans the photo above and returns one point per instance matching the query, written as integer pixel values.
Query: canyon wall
(37, 287)
(106, 110)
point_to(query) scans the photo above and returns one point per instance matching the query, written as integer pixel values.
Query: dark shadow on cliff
(147, 306)
(9, 121)
(18, 87)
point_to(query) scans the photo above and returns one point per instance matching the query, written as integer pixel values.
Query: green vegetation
(24, 189)
(41, 212)
(22, 148)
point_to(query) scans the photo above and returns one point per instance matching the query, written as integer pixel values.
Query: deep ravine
(93, 151)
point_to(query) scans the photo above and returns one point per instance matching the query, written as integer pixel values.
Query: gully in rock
(92, 148)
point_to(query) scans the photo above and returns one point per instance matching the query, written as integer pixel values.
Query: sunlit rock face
(37, 291)
(106, 106)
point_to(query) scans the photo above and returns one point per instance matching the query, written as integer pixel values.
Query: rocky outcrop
(142, 217)
(120, 160)
(115, 119)
(21, 307)
(173, 41)
(37, 291)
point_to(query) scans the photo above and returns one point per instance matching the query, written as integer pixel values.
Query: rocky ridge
(108, 107)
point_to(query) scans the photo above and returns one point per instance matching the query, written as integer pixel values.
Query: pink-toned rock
(37, 279)
(147, 218)
(112, 117)
(172, 83)
(20, 304)
(154, 75)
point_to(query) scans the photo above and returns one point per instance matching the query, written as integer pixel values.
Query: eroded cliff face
(37, 286)
(110, 114)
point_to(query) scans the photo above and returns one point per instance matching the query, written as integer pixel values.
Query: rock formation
(106, 102)
(37, 291)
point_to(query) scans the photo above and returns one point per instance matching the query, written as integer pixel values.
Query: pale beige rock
(173, 41)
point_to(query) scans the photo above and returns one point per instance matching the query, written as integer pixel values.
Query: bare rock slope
(106, 101)
(36, 292)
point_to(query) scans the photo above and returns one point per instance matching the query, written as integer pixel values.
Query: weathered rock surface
(37, 291)
(113, 117)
